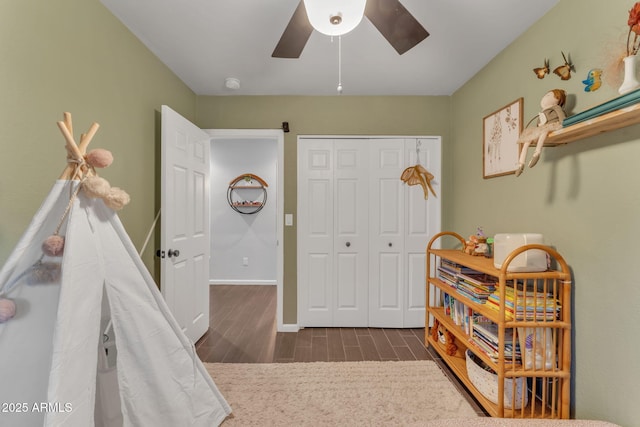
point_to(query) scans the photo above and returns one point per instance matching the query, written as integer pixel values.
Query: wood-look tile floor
(350, 344)
(243, 330)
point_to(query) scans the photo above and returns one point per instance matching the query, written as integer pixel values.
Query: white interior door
(333, 220)
(422, 221)
(350, 242)
(185, 222)
(315, 228)
(386, 232)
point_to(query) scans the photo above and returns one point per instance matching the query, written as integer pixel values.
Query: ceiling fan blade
(295, 36)
(395, 23)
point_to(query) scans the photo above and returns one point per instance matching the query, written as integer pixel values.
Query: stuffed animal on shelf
(476, 245)
(440, 334)
(549, 119)
(470, 245)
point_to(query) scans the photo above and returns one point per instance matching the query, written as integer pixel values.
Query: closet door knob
(348, 244)
(173, 253)
(390, 244)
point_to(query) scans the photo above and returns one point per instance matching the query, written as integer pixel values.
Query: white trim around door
(278, 135)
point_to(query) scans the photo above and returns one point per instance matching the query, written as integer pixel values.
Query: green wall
(75, 56)
(331, 115)
(584, 196)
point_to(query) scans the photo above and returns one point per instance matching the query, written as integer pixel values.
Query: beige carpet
(342, 393)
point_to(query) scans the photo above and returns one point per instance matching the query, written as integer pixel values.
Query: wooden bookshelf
(546, 386)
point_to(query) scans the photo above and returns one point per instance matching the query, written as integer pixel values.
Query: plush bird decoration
(593, 81)
(542, 71)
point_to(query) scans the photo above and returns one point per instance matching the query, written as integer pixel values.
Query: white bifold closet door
(362, 232)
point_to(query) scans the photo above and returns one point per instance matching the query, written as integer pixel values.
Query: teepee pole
(75, 153)
(86, 138)
(67, 121)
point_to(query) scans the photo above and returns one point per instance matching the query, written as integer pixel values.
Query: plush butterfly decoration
(541, 71)
(564, 71)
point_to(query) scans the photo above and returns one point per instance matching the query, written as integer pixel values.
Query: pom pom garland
(99, 158)
(117, 198)
(53, 245)
(96, 187)
(114, 197)
(7, 309)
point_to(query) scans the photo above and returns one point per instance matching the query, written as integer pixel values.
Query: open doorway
(246, 248)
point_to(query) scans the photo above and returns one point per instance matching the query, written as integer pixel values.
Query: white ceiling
(205, 41)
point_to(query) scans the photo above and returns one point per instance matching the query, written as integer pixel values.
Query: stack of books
(468, 282)
(476, 286)
(485, 337)
(526, 305)
(455, 268)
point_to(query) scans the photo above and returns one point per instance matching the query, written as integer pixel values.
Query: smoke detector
(232, 83)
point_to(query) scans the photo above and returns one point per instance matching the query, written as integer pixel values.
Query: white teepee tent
(92, 341)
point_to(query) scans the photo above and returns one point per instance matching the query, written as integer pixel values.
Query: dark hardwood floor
(242, 325)
(243, 330)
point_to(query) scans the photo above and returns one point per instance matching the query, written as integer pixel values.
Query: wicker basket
(486, 381)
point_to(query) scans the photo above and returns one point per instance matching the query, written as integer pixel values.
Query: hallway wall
(235, 236)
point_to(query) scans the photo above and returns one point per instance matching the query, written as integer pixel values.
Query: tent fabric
(52, 350)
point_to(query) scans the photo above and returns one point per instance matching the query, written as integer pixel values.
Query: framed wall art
(500, 148)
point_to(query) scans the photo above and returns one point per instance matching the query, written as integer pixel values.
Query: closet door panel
(350, 233)
(315, 228)
(347, 277)
(386, 217)
(317, 283)
(422, 221)
(389, 272)
(414, 303)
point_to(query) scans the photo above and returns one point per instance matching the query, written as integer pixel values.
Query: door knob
(348, 244)
(160, 253)
(173, 253)
(390, 244)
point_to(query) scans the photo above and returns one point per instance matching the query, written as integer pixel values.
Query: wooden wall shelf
(605, 123)
(252, 186)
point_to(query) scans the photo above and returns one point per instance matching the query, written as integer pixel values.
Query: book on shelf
(446, 305)
(485, 336)
(447, 277)
(459, 313)
(472, 284)
(454, 267)
(479, 280)
(526, 305)
(477, 292)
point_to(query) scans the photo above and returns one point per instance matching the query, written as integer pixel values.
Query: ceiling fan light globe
(323, 15)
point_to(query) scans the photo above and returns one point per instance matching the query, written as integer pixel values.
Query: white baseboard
(288, 327)
(242, 282)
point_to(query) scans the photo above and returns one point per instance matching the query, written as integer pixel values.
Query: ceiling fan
(390, 17)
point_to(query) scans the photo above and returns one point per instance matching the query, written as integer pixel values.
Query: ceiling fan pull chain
(340, 64)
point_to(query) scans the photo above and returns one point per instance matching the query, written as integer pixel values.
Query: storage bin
(528, 261)
(486, 381)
